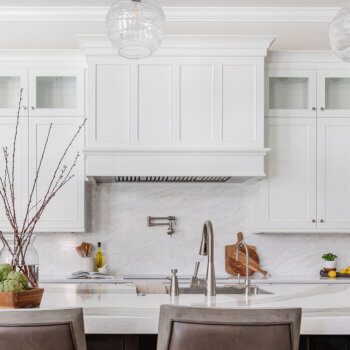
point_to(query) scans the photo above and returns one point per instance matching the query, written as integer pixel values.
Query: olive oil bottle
(99, 257)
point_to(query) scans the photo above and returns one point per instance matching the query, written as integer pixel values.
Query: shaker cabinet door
(66, 210)
(290, 187)
(333, 171)
(20, 184)
(333, 91)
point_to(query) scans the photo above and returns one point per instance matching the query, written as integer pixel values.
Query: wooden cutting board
(235, 267)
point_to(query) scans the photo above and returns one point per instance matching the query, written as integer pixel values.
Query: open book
(85, 274)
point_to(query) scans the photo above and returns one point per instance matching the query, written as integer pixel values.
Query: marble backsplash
(116, 216)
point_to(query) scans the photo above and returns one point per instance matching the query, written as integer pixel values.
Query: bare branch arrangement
(22, 232)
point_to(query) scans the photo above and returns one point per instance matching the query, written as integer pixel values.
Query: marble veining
(116, 216)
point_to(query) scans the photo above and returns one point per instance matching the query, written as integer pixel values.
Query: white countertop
(116, 308)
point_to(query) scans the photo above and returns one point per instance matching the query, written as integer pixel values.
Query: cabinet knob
(313, 220)
(24, 107)
(314, 108)
(321, 220)
(32, 107)
(322, 108)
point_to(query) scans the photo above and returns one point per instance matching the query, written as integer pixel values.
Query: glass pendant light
(339, 34)
(135, 27)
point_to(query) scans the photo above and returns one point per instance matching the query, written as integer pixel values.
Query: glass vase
(27, 264)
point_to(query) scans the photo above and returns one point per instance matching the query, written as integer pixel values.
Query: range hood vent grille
(171, 179)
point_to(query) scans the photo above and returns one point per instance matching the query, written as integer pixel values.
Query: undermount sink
(225, 290)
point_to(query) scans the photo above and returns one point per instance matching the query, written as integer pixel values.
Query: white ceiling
(202, 3)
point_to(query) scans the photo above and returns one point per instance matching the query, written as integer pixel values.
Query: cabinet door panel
(291, 169)
(11, 83)
(65, 212)
(333, 91)
(56, 92)
(7, 130)
(290, 93)
(240, 104)
(112, 118)
(197, 103)
(154, 103)
(333, 163)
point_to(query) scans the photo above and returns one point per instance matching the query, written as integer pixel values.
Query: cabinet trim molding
(189, 45)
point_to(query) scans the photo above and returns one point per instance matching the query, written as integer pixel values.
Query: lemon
(343, 271)
(332, 274)
(348, 268)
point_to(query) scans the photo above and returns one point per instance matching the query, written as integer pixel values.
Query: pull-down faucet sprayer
(207, 249)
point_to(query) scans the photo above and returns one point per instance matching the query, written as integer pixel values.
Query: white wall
(118, 219)
(62, 35)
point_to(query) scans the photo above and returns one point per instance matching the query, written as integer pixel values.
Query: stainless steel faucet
(174, 284)
(247, 278)
(206, 248)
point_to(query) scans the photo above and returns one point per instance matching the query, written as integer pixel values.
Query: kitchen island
(116, 309)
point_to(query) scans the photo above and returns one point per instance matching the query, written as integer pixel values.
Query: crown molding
(189, 45)
(42, 55)
(176, 14)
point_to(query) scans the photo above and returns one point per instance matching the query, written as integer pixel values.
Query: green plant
(19, 277)
(11, 286)
(329, 257)
(5, 269)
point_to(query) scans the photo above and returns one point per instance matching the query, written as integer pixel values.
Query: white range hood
(193, 112)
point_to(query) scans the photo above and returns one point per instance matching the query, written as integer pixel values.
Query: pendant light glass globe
(135, 27)
(339, 34)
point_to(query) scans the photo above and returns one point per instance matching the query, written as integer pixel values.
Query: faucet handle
(196, 268)
(174, 271)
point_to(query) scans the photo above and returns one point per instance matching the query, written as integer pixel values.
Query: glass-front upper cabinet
(333, 93)
(56, 93)
(11, 83)
(291, 93)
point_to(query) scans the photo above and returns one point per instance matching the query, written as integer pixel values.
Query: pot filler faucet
(206, 248)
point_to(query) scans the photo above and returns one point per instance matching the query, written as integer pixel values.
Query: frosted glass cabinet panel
(58, 93)
(291, 93)
(11, 83)
(333, 93)
(9, 91)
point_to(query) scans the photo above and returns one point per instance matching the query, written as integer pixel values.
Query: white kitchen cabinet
(290, 93)
(289, 192)
(46, 91)
(333, 91)
(183, 101)
(11, 83)
(308, 167)
(56, 92)
(333, 174)
(66, 211)
(7, 131)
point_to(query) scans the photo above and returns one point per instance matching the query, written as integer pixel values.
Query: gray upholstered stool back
(42, 330)
(187, 328)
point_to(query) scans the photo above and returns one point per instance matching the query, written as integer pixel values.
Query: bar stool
(42, 330)
(190, 328)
